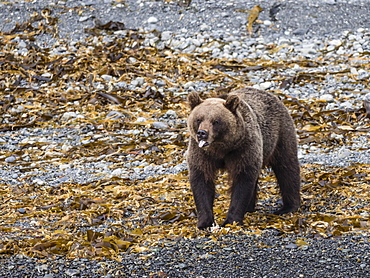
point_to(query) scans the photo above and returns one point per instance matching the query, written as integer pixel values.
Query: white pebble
(39, 181)
(344, 152)
(159, 125)
(152, 20)
(335, 42)
(166, 35)
(83, 18)
(265, 85)
(67, 115)
(346, 105)
(107, 77)
(327, 97)
(117, 172)
(188, 84)
(140, 120)
(354, 71)
(10, 159)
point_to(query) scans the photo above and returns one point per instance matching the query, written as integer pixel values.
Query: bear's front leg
(204, 195)
(243, 196)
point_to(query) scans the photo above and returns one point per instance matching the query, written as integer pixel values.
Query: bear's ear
(232, 103)
(194, 99)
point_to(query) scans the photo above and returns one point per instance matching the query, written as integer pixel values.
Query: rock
(330, 48)
(159, 125)
(204, 27)
(300, 31)
(139, 81)
(346, 105)
(22, 44)
(114, 115)
(10, 159)
(354, 71)
(68, 115)
(107, 77)
(291, 246)
(152, 20)
(72, 272)
(188, 85)
(64, 179)
(171, 114)
(327, 98)
(307, 49)
(166, 35)
(140, 120)
(22, 210)
(83, 18)
(265, 85)
(39, 181)
(335, 42)
(117, 172)
(182, 266)
(160, 83)
(344, 152)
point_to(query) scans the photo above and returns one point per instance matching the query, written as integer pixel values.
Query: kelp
(77, 85)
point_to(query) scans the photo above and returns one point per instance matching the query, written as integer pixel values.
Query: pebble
(83, 18)
(335, 42)
(189, 85)
(291, 246)
(107, 77)
(72, 272)
(327, 98)
(139, 81)
(166, 35)
(114, 115)
(159, 125)
(152, 20)
(68, 115)
(22, 210)
(265, 85)
(140, 120)
(10, 159)
(346, 105)
(117, 172)
(171, 114)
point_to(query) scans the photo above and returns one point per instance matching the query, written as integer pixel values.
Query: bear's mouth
(203, 143)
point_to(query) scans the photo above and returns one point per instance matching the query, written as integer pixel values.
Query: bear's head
(214, 121)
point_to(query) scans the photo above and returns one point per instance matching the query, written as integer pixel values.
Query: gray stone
(159, 125)
(10, 159)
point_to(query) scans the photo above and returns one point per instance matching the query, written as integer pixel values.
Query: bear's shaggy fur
(243, 133)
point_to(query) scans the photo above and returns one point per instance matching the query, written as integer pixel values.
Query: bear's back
(261, 102)
(272, 117)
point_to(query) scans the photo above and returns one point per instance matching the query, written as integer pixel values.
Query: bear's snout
(202, 138)
(202, 134)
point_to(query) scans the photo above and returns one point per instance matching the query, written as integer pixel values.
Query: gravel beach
(331, 38)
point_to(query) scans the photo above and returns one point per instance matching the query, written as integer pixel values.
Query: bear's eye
(199, 121)
(216, 122)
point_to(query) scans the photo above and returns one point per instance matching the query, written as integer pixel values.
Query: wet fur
(248, 130)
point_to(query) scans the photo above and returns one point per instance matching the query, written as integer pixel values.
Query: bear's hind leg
(287, 171)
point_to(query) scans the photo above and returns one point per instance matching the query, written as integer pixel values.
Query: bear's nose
(202, 134)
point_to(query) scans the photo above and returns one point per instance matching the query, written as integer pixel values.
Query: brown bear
(242, 133)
